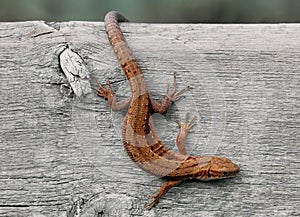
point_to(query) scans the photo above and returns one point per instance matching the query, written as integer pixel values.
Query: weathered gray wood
(75, 71)
(58, 151)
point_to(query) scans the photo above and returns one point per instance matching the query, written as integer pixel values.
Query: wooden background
(61, 155)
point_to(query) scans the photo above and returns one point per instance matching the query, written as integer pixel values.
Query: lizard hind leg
(175, 95)
(167, 101)
(184, 129)
(162, 191)
(109, 94)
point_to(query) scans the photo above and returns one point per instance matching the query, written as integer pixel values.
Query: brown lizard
(138, 133)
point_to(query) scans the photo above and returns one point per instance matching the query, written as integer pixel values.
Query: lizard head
(219, 168)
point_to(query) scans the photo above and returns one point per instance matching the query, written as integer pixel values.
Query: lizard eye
(226, 173)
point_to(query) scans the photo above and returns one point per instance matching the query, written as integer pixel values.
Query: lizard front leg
(111, 97)
(184, 129)
(161, 191)
(167, 101)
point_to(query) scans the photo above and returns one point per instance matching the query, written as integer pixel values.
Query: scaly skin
(139, 137)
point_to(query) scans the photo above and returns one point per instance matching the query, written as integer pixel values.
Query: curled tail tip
(115, 15)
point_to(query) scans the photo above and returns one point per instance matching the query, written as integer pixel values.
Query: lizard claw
(151, 204)
(162, 190)
(186, 125)
(175, 95)
(102, 91)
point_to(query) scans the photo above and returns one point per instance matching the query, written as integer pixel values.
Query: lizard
(139, 137)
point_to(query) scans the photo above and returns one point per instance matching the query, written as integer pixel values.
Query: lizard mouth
(216, 175)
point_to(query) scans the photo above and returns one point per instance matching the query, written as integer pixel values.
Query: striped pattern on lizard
(140, 140)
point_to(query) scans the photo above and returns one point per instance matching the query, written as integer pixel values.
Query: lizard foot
(110, 95)
(162, 191)
(184, 129)
(175, 95)
(186, 126)
(103, 92)
(155, 200)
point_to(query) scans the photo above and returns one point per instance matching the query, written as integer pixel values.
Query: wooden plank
(59, 150)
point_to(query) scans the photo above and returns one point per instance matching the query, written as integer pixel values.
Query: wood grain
(58, 150)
